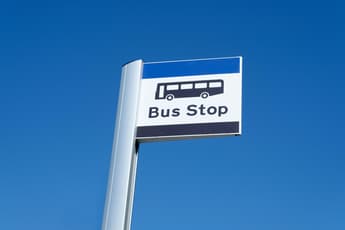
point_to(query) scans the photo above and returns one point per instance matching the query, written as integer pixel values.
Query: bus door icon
(184, 89)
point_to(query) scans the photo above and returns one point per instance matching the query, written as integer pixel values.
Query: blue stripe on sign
(191, 67)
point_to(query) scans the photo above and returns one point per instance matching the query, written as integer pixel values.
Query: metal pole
(120, 192)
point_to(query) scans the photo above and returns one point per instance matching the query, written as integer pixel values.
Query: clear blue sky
(60, 65)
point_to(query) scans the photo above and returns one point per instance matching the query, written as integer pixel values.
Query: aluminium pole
(119, 200)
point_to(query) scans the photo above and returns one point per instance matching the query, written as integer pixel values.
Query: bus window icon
(184, 89)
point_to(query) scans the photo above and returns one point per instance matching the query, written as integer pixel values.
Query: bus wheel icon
(204, 95)
(169, 97)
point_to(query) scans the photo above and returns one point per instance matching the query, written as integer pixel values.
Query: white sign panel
(190, 98)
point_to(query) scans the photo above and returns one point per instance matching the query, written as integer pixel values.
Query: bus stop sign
(190, 98)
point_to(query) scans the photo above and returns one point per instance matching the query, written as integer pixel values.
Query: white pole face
(119, 200)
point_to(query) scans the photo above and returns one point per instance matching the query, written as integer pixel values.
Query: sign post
(168, 101)
(119, 200)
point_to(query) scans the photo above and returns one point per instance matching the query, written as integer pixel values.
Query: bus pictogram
(184, 89)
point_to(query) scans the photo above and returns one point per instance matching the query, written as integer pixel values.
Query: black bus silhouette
(183, 89)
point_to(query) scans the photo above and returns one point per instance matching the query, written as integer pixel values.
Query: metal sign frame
(119, 199)
(121, 182)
